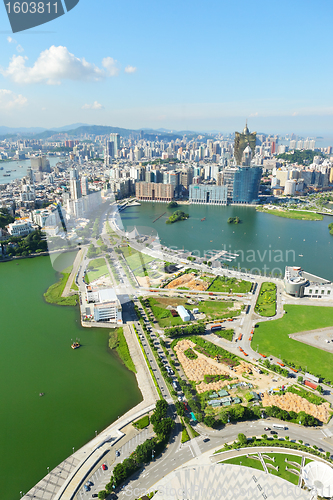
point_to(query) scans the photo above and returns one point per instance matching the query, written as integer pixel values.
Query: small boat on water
(300, 255)
(203, 219)
(75, 345)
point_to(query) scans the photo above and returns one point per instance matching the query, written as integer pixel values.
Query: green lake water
(260, 239)
(85, 389)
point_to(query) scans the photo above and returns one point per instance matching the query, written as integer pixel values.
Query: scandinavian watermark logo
(25, 15)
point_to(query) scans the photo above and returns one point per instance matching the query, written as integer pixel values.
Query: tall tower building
(115, 139)
(242, 141)
(74, 184)
(84, 185)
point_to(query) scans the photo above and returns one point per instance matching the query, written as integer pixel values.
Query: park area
(266, 303)
(272, 338)
(230, 285)
(96, 268)
(279, 464)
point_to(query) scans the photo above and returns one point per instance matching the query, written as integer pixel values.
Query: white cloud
(95, 105)
(19, 48)
(110, 65)
(130, 69)
(11, 40)
(9, 100)
(54, 65)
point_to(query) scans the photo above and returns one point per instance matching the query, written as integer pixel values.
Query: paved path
(79, 257)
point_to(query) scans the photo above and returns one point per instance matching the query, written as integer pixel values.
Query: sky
(179, 65)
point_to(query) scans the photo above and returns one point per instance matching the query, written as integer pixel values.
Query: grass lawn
(272, 337)
(162, 314)
(217, 309)
(294, 214)
(266, 303)
(142, 422)
(136, 260)
(225, 334)
(54, 292)
(279, 461)
(243, 460)
(118, 342)
(98, 268)
(230, 285)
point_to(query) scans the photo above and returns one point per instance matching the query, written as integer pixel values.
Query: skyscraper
(115, 140)
(74, 184)
(242, 141)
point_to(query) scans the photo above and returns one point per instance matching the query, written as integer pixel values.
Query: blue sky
(178, 65)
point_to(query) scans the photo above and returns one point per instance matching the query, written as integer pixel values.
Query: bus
(216, 327)
(280, 426)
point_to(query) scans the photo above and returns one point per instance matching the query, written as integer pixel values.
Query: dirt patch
(293, 402)
(197, 369)
(144, 281)
(190, 281)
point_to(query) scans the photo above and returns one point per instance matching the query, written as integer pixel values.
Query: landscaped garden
(266, 303)
(277, 461)
(272, 337)
(230, 285)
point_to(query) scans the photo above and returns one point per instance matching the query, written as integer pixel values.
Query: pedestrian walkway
(76, 265)
(47, 488)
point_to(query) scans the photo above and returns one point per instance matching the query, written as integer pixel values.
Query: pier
(159, 217)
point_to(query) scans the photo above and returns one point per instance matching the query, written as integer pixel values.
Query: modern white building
(20, 228)
(299, 283)
(183, 313)
(107, 306)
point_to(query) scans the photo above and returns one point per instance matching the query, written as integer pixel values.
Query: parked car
(206, 440)
(117, 453)
(273, 432)
(86, 487)
(90, 483)
(267, 428)
(104, 467)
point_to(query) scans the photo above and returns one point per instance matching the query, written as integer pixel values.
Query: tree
(102, 494)
(242, 439)
(164, 427)
(209, 420)
(180, 408)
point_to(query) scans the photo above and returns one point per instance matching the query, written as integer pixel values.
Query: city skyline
(173, 68)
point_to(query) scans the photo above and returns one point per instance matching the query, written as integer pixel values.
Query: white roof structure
(319, 477)
(107, 295)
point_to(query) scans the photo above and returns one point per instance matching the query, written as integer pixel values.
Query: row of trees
(330, 227)
(145, 452)
(239, 412)
(177, 331)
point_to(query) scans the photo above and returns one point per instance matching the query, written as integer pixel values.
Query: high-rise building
(151, 191)
(115, 140)
(242, 141)
(40, 164)
(203, 194)
(74, 184)
(84, 185)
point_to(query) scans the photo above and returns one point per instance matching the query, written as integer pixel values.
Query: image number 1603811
(31, 7)
(24, 15)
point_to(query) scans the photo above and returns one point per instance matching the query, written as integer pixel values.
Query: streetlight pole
(48, 469)
(95, 433)
(20, 494)
(73, 449)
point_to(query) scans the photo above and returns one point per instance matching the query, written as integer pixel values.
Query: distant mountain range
(79, 129)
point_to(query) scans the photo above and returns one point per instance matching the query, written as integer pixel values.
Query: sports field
(272, 338)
